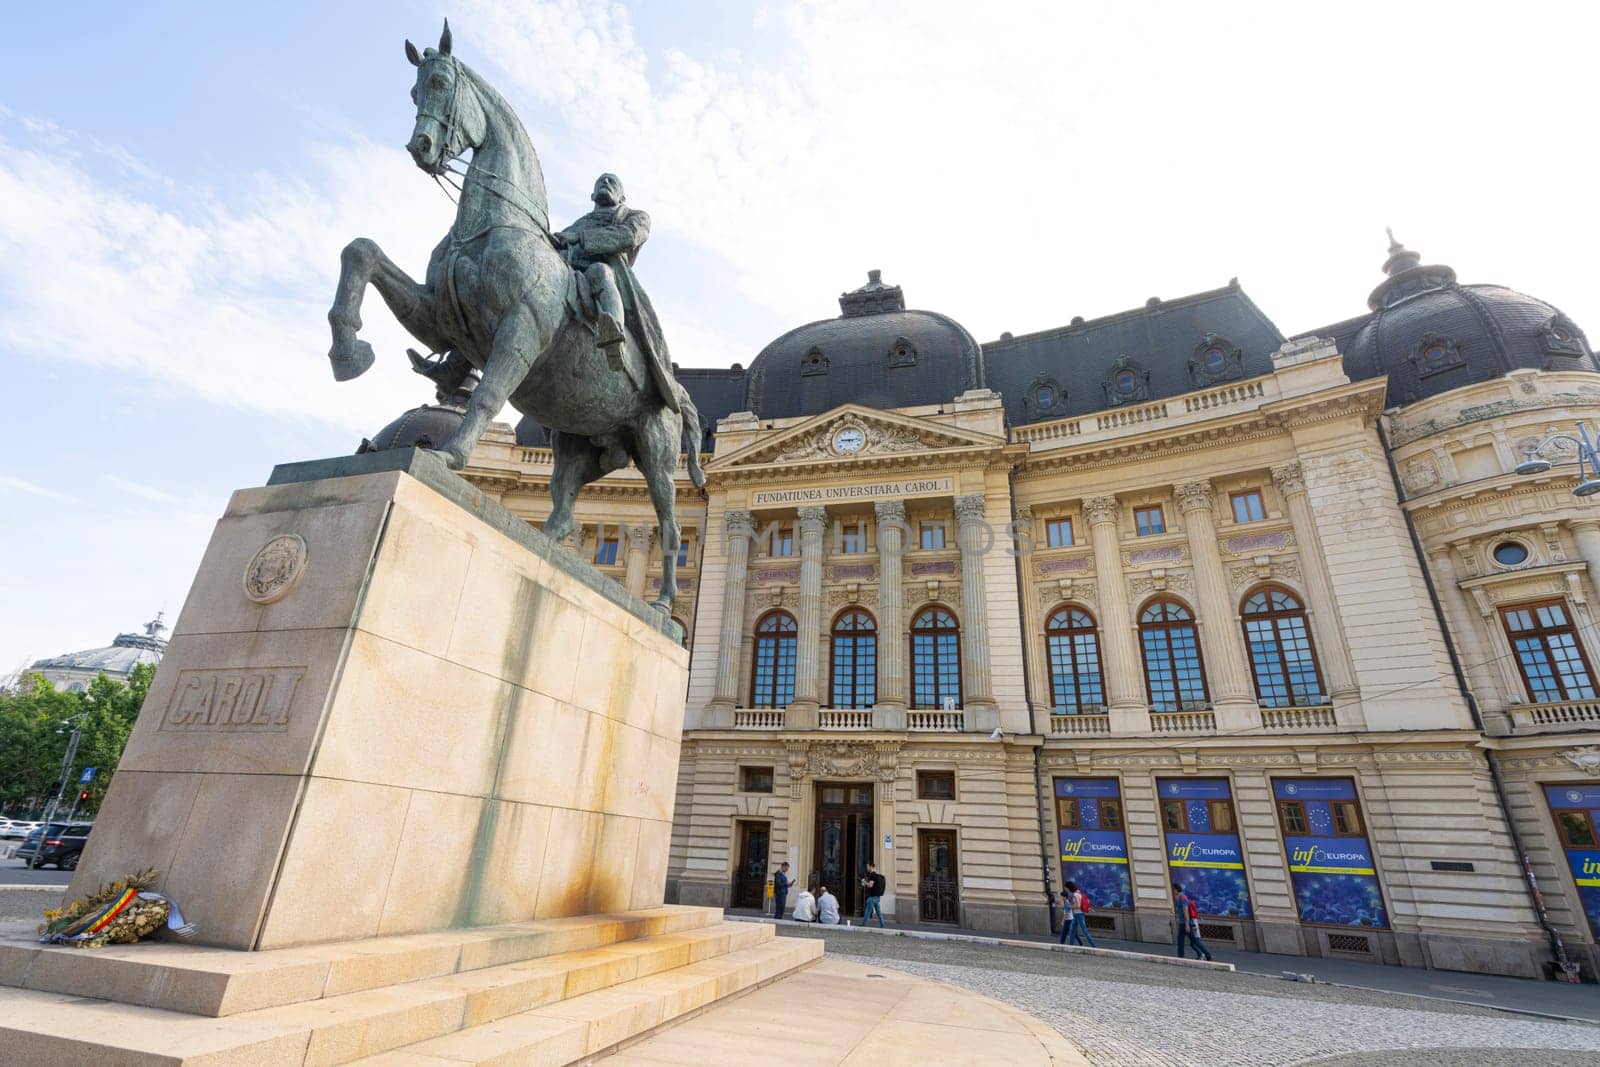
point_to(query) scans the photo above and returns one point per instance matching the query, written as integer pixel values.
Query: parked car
(60, 843)
(18, 827)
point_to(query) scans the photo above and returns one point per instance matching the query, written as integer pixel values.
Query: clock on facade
(849, 439)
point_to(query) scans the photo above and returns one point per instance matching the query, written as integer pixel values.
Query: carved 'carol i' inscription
(236, 701)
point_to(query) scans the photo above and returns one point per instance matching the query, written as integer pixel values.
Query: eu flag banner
(1576, 809)
(1203, 851)
(1331, 865)
(1094, 850)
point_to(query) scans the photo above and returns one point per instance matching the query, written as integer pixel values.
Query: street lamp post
(66, 768)
(1588, 460)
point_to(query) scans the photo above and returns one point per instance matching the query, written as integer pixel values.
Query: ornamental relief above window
(851, 437)
(1286, 571)
(1143, 586)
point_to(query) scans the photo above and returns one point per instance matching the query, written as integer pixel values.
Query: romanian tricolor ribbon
(90, 925)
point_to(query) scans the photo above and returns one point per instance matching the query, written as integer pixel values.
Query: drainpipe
(1046, 853)
(1569, 970)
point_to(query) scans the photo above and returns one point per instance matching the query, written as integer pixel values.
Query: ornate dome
(1429, 334)
(875, 353)
(117, 659)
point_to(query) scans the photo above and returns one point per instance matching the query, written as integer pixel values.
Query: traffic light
(83, 795)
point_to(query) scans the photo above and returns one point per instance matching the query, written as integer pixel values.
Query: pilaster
(1468, 632)
(977, 692)
(890, 712)
(740, 527)
(1128, 705)
(807, 698)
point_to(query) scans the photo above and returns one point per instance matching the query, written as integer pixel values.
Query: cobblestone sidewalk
(1130, 1014)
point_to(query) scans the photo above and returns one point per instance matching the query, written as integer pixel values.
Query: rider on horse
(603, 245)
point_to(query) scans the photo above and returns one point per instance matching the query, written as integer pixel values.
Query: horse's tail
(691, 435)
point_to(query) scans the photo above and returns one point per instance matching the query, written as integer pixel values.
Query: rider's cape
(642, 321)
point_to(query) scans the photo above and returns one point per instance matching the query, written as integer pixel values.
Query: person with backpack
(1073, 922)
(1188, 922)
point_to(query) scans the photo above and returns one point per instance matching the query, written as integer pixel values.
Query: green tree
(36, 723)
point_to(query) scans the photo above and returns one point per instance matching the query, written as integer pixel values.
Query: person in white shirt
(805, 907)
(828, 908)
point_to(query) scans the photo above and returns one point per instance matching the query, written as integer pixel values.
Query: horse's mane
(493, 101)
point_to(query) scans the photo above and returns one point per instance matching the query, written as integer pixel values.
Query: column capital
(1024, 512)
(1195, 496)
(1102, 510)
(1290, 478)
(739, 523)
(814, 516)
(969, 508)
(890, 510)
(1583, 524)
(641, 533)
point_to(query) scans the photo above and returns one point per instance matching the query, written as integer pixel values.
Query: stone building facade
(1163, 596)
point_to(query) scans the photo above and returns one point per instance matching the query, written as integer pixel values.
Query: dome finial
(1400, 258)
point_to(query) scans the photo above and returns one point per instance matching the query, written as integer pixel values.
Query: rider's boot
(611, 338)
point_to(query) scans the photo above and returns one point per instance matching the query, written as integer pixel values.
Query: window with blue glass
(1148, 521)
(772, 674)
(1549, 656)
(854, 660)
(853, 538)
(1281, 656)
(683, 552)
(1074, 650)
(1248, 506)
(935, 659)
(1058, 532)
(605, 551)
(782, 540)
(932, 535)
(1175, 678)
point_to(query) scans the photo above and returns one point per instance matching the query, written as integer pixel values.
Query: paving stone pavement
(1131, 1014)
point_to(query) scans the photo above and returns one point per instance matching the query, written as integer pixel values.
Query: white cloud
(14, 484)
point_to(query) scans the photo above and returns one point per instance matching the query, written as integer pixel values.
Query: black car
(60, 843)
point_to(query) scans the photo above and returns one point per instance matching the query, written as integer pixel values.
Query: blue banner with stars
(1331, 866)
(1093, 854)
(1576, 809)
(1203, 851)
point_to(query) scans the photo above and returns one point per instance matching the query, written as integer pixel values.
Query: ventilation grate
(1217, 932)
(1350, 943)
(1101, 922)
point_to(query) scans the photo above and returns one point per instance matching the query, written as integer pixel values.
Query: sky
(177, 179)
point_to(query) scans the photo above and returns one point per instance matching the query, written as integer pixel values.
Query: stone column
(890, 712)
(1333, 651)
(1120, 658)
(807, 695)
(1586, 534)
(884, 823)
(636, 540)
(977, 692)
(1222, 641)
(741, 527)
(1476, 660)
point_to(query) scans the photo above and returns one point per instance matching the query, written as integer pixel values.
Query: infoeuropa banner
(1203, 853)
(1577, 813)
(1092, 856)
(1335, 879)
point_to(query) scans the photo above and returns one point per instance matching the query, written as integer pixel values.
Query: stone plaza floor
(1129, 1012)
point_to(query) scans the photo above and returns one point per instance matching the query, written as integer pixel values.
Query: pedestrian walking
(1188, 922)
(780, 890)
(876, 885)
(1073, 923)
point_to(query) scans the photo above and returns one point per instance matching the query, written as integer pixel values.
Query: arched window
(1074, 649)
(854, 660)
(1548, 653)
(935, 659)
(1174, 676)
(1281, 655)
(772, 676)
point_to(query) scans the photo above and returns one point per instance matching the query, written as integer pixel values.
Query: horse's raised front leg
(515, 345)
(361, 263)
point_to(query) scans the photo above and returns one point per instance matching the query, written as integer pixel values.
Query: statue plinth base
(400, 745)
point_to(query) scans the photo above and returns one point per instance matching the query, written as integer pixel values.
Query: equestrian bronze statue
(556, 323)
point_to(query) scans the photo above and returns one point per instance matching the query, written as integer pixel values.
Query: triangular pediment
(851, 432)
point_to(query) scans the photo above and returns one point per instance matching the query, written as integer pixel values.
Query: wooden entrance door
(750, 877)
(844, 841)
(938, 890)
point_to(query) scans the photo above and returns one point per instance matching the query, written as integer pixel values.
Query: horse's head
(450, 116)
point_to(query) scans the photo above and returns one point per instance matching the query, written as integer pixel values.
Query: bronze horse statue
(499, 297)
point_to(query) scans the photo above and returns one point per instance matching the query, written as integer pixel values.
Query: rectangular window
(933, 535)
(1058, 532)
(1148, 521)
(1204, 853)
(683, 553)
(1093, 847)
(755, 779)
(1576, 829)
(1247, 506)
(1331, 865)
(936, 785)
(783, 540)
(1549, 656)
(1292, 813)
(853, 539)
(605, 551)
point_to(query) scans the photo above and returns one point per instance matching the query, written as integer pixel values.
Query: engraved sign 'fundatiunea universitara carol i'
(555, 322)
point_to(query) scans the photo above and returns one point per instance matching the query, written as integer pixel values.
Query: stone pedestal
(390, 706)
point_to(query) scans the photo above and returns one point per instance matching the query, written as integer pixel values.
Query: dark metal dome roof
(1429, 334)
(875, 353)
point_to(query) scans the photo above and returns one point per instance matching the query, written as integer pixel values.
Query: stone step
(64, 1028)
(585, 1026)
(216, 981)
